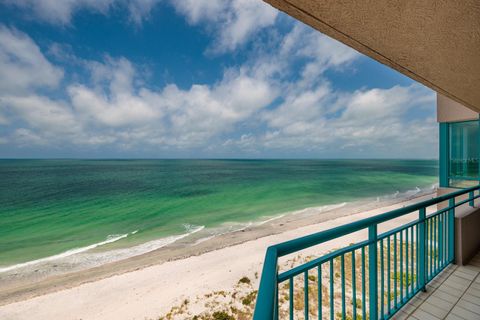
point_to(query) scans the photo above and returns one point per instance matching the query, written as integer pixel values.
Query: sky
(196, 79)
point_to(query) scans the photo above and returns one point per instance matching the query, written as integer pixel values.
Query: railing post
(470, 196)
(422, 243)
(267, 291)
(451, 230)
(372, 271)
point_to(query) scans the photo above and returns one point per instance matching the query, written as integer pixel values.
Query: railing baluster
(389, 276)
(290, 289)
(401, 266)
(433, 241)
(332, 307)
(395, 271)
(364, 308)
(382, 281)
(471, 203)
(354, 287)
(275, 310)
(417, 253)
(442, 240)
(407, 282)
(437, 248)
(305, 281)
(451, 230)
(320, 292)
(373, 271)
(413, 276)
(421, 250)
(343, 285)
(445, 238)
(430, 242)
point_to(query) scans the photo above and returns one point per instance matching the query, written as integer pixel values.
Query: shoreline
(25, 289)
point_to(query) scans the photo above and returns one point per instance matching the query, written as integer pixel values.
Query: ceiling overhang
(436, 43)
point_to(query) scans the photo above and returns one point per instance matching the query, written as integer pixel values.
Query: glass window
(464, 154)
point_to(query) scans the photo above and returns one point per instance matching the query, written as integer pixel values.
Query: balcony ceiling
(436, 43)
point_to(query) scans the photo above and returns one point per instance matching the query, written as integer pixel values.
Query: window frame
(444, 154)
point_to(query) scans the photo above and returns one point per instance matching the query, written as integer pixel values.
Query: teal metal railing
(371, 279)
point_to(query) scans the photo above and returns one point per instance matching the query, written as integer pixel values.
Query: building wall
(452, 111)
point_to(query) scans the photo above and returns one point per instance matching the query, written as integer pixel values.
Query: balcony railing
(371, 279)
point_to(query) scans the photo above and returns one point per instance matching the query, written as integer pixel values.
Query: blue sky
(196, 78)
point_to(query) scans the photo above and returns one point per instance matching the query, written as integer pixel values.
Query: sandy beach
(148, 286)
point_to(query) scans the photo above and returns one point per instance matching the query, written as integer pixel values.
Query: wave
(80, 255)
(223, 230)
(231, 227)
(270, 219)
(314, 210)
(124, 253)
(409, 193)
(71, 252)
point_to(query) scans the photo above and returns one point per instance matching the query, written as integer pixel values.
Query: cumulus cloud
(369, 120)
(278, 99)
(61, 12)
(113, 108)
(42, 113)
(22, 65)
(233, 22)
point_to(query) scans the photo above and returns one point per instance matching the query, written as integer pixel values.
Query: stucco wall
(467, 222)
(451, 111)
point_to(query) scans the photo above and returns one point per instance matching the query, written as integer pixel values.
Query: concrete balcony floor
(454, 295)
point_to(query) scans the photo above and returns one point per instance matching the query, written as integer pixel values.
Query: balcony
(393, 273)
(454, 294)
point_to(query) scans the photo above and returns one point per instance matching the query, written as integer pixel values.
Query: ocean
(113, 209)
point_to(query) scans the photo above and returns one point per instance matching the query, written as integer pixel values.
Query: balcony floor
(454, 295)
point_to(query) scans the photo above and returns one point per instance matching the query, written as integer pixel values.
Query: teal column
(443, 155)
(372, 271)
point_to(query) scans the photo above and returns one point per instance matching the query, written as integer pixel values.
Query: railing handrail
(291, 246)
(268, 281)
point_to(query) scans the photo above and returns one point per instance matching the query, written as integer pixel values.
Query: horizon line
(205, 158)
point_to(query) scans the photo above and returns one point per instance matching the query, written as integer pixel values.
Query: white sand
(150, 292)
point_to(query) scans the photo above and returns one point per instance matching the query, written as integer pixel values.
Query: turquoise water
(51, 206)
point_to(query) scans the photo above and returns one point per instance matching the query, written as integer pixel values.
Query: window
(462, 153)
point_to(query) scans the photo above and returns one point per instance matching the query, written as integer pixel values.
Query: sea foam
(71, 252)
(82, 256)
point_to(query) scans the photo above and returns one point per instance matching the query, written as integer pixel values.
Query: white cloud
(279, 99)
(141, 9)
(203, 112)
(117, 105)
(374, 120)
(42, 113)
(61, 12)
(112, 109)
(26, 138)
(171, 116)
(233, 22)
(22, 65)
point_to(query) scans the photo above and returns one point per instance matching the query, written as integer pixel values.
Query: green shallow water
(51, 206)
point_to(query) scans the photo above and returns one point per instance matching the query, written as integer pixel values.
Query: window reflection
(464, 154)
